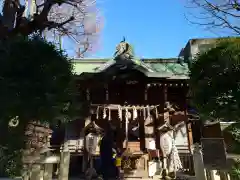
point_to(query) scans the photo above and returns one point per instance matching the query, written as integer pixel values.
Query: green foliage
(11, 163)
(234, 131)
(35, 80)
(11, 146)
(36, 83)
(215, 82)
(215, 88)
(235, 171)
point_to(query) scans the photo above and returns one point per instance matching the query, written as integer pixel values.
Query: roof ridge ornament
(124, 51)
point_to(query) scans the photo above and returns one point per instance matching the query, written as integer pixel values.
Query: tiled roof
(174, 68)
(87, 65)
(167, 68)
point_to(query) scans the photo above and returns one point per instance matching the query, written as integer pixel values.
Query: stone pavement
(182, 177)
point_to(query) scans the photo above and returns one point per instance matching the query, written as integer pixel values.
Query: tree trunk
(9, 13)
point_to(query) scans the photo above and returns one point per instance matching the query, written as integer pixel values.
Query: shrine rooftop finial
(124, 50)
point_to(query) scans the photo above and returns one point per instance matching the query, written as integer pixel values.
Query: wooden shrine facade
(139, 96)
(134, 90)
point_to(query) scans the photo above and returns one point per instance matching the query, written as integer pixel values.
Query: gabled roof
(162, 68)
(112, 62)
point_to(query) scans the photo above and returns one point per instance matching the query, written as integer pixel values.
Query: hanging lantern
(91, 143)
(166, 144)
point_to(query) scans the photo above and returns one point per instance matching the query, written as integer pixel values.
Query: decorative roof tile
(165, 68)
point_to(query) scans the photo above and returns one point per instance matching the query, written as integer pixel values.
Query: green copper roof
(87, 65)
(175, 68)
(166, 68)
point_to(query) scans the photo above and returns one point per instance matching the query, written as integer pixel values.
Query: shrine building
(136, 97)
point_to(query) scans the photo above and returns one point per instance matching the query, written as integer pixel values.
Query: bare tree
(77, 19)
(215, 14)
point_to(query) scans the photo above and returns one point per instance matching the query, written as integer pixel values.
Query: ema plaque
(214, 153)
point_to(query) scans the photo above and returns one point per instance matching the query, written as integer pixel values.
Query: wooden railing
(74, 146)
(187, 162)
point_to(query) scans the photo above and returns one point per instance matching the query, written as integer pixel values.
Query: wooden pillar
(36, 172)
(88, 95)
(146, 93)
(143, 116)
(165, 98)
(144, 132)
(210, 174)
(64, 159)
(25, 172)
(48, 170)
(120, 133)
(126, 131)
(223, 175)
(141, 132)
(106, 93)
(64, 165)
(188, 125)
(165, 92)
(48, 167)
(148, 124)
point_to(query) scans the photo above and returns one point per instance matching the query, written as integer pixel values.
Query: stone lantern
(93, 134)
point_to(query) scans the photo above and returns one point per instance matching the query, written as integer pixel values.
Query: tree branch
(65, 16)
(220, 14)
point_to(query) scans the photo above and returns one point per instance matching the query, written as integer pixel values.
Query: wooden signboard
(214, 153)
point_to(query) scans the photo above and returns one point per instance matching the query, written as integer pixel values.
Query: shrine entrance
(128, 124)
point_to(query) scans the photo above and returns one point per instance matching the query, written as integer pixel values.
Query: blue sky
(156, 28)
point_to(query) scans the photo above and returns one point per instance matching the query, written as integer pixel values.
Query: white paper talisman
(166, 144)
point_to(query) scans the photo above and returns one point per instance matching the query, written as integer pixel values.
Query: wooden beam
(106, 93)
(146, 93)
(188, 125)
